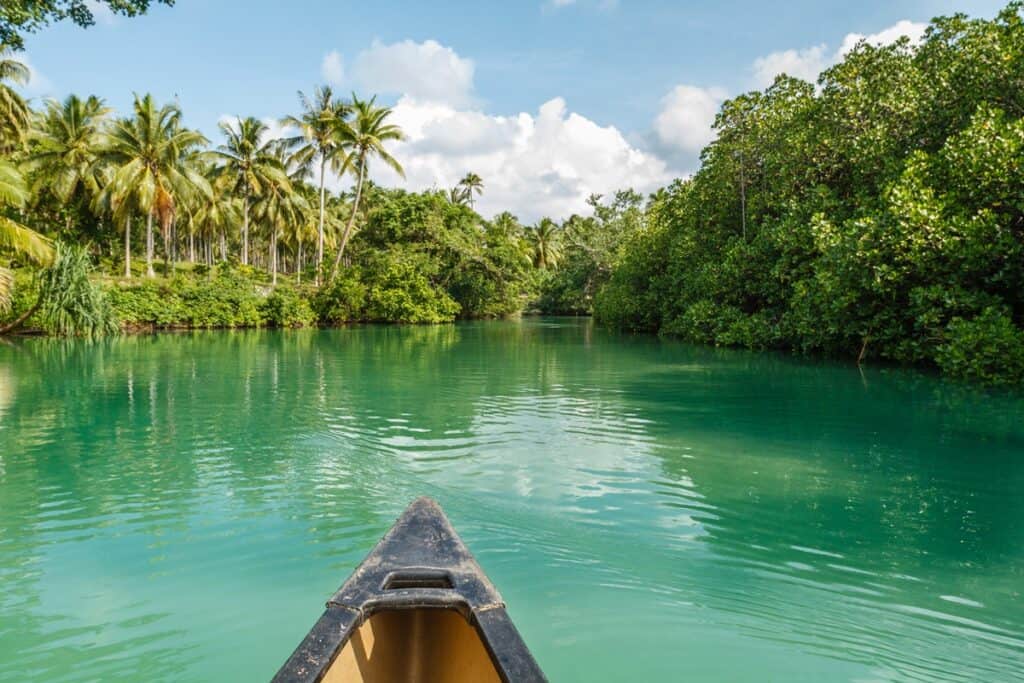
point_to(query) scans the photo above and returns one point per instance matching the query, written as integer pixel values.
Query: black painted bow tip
(418, 608)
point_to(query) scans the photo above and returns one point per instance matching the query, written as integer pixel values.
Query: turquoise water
(178, 507)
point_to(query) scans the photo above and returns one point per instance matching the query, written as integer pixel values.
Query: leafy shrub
(229, 300)
(287, 307)
(149, 302)
(398, 290)
(988, 349)
(342, 300)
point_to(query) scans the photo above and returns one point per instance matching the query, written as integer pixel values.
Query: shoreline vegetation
(877, 215)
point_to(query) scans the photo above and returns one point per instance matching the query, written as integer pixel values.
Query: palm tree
(252, 165)
(472, 183)
(64, 157)
(213, 215)
(148, 153)
(544, 239)
(14, 237)
(281, 209)
(457, 196)
(318, 143)
(14, 113)
(506, 223)
(364, 138)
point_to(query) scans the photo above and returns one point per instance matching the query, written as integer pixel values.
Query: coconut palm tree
(457, 196)
(319, 143)
(280, 209)
(14, 113)
(544, 239)
(14, 237)
(214, 215)
(471, 183)
(148, 153)
(65, 152)
(249, 160)
(506, 223)
(364, 138)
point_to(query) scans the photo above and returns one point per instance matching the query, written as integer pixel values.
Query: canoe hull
(418, 608)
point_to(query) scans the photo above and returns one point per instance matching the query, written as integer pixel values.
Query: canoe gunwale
(421, 563)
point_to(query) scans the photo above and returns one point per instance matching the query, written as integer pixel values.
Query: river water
(178, 507)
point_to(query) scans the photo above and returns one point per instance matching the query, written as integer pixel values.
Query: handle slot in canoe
(418, 578)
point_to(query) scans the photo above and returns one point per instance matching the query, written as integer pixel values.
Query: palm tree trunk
(149, 244)
(320, 229)
(223, 246)
(128, 246)
(273, 257)
(20, 320)
(168, 246)
(351, 219)
(191, 246)
(298, 265)
(245, 229)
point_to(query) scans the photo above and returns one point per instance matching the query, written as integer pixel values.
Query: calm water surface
(178, 507)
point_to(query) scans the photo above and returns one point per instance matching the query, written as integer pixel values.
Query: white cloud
(912, 29)
(427, 71)
(333, 68)
(543, 164)
(38, 84)
(805, 64)
(809, 62)
(686, 116)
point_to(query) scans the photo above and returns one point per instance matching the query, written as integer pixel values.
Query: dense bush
(228, 300)
(342, 300)
(288, 307)
(878, 215)
(987, 349)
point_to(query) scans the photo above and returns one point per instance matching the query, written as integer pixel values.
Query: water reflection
(749, 516)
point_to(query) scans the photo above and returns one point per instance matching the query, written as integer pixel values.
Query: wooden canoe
(418, 608)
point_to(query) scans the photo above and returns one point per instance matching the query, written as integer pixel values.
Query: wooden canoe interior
(417, 645)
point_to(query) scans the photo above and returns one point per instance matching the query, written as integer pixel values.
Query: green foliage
(60, 298)
(879, 216)
(988, 349)
(70, 303)
(18, 17)
(288, 307)
(342, 300)
(589, 249)
(399, 290)
(228, 300)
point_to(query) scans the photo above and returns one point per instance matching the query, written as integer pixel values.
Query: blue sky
(471, 79)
